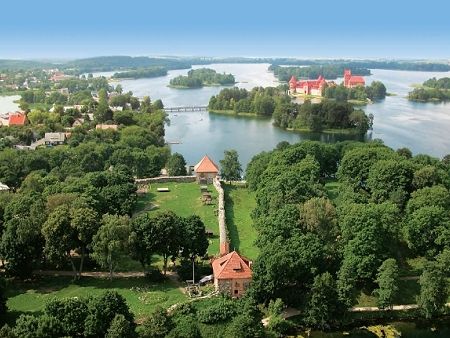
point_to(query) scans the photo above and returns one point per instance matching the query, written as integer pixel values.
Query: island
(141, 73)
(432, 90)
(330, 116)
(197, 78)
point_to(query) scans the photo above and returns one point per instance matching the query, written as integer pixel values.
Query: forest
(319, 247)
(329, 71)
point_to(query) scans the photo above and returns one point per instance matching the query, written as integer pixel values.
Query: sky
(49, 29)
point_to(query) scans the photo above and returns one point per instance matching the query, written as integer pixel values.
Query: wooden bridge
(185, 109)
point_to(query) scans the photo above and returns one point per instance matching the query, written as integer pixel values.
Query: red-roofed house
(351, 81)
(17, 119)
(232, 274)
(206, 170)
(308, 87)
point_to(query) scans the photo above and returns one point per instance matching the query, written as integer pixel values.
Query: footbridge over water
(185, 109)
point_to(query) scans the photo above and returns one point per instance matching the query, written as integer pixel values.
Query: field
(239, 203)
(141, 295)
(184, 199)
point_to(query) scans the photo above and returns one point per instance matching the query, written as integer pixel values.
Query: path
(287, 313)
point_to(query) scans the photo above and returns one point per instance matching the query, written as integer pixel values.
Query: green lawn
(239, 203)
(332, 187)
(184, 199)
(141, 295)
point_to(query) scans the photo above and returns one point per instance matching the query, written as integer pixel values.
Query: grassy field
(239, 203)
(141, 295)
(184, 199)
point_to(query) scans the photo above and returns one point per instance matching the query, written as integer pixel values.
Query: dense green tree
(3, 307)
(231, 169)
(169, 229)
(433, 290)
(176, 165)
(369, 233)
(426, 176)
(244, 326)
(387, 177)
(356, 163)
(21, 245)
(70, 312)
(186, 327)
(68, 229)
(323, 306)
(157, 325)
(319, 216)
(111, 241)
(120, 327)
(285, 265)
(387, 280)
(101, 312)
(427, 230)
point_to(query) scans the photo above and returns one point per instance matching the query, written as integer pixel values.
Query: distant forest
(331, 71)
(109, 63)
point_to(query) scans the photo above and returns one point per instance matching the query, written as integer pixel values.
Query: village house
(307, 87)
(78, 122)
(232, 274)
(351, 81)
(54, 139)
(17, 119)
(106, 126)
(206, 170)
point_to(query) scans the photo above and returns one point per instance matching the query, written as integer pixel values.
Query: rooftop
(232, 266)
(206, 165)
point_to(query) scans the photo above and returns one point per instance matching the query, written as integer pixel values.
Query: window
(236, 292)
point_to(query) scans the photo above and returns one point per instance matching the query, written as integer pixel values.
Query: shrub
(224, 310)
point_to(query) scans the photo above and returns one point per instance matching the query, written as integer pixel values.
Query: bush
(71, 313)
(120, 328)
(280, 326)
(186, 328)
(157, 325)
(244, 326)
(224, 310)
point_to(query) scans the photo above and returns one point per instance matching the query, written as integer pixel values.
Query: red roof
(356, 79)
(17, 119)
(206, 165)
(231, 266)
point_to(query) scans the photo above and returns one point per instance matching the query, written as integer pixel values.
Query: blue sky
(297, 28)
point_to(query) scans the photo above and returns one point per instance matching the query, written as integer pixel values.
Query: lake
(7, 103)
(422, 127)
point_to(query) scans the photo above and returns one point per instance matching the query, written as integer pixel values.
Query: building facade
(232, 274)
(307, 87)
(351, 81)
(206, 170)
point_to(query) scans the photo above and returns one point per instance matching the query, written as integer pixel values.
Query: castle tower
(347, 76)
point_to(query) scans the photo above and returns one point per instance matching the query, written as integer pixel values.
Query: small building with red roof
(206, 170)
(308, 87)
(232, 274)
(17, 119)
(351, 81)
